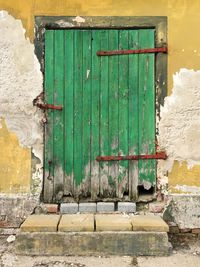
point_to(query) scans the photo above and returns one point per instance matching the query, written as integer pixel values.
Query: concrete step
(90, 234)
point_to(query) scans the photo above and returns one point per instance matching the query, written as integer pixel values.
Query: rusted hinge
(128, 52)
(39, 102)
(158, 155)
(48, 106)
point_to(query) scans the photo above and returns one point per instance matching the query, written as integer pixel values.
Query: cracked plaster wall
(179, 135)
(20, 128)
(179, 126)
(179, 132)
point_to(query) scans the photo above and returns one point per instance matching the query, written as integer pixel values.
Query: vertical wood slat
(133, 114)
(147, 170)
(86, 122)
(113, 112)
(78, 109)
(49, 76)
(104, 185)
(58, 116)
(69, 112)
(85, 101)
(95, 115)
(123, 113)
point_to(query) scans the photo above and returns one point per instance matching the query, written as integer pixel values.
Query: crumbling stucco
(20, 83)
(179, 127)
(183, 211)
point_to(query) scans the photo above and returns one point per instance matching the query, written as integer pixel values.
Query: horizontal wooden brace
(128, 52)
(158, 155)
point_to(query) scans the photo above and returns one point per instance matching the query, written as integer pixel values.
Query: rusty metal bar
(158, 155)
(128, 52)
(48, 106)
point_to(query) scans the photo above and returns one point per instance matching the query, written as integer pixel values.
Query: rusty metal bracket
(158, 155)
(39, 102)
(128, 52)
(48, 106)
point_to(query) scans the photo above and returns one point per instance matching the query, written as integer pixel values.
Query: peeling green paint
(104, 111)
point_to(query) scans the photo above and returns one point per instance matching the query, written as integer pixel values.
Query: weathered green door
(108, 109)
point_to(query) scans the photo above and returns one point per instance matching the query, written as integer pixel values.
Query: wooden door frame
(159, 23)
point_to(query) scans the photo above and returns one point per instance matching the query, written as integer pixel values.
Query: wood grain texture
(147, 170)
(109, 110)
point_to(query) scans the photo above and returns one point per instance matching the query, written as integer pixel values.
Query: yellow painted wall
(181, 175)
(15, 163)
(183, 43)
(183, 21)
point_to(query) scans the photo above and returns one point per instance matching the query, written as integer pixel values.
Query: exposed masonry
(179, 127)
(183, 211)
(20, 82)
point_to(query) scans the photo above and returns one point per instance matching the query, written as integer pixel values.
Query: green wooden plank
(147, 168)
(86, 111)
(78, 107)
(58, 115)
(133, 114)
(113, 112)
(123, 113)
(95, 115)
(69, 111)
(49, 81)
(104, 185)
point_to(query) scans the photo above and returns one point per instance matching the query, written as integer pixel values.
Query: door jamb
(159, 23)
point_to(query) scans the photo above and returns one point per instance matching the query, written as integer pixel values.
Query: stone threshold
(93, 222)
(93, 234)
(92, 243)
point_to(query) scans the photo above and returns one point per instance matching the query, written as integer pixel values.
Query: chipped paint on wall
(187, 189)
(179, 127)
(78, 20)
(15, 176)
(183, 43)
(183, 179)
(20, 82)
(179, 13)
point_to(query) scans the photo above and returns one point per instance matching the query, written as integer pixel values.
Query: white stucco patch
(20, 83)
(188, 189)
(78, 20)
(179, 127)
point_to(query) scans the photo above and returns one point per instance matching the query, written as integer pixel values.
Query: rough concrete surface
(92, 243)
(184, 211)
(68, 208)
(185, 254)
(87, 207)
(14, 210)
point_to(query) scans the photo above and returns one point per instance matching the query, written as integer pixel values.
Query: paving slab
(87, 207)
(40, 223)
(76, 223)
(68, 208)
(129, 207)
(112, 222)
(148, 223)
(105, 207)
(92, 243)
